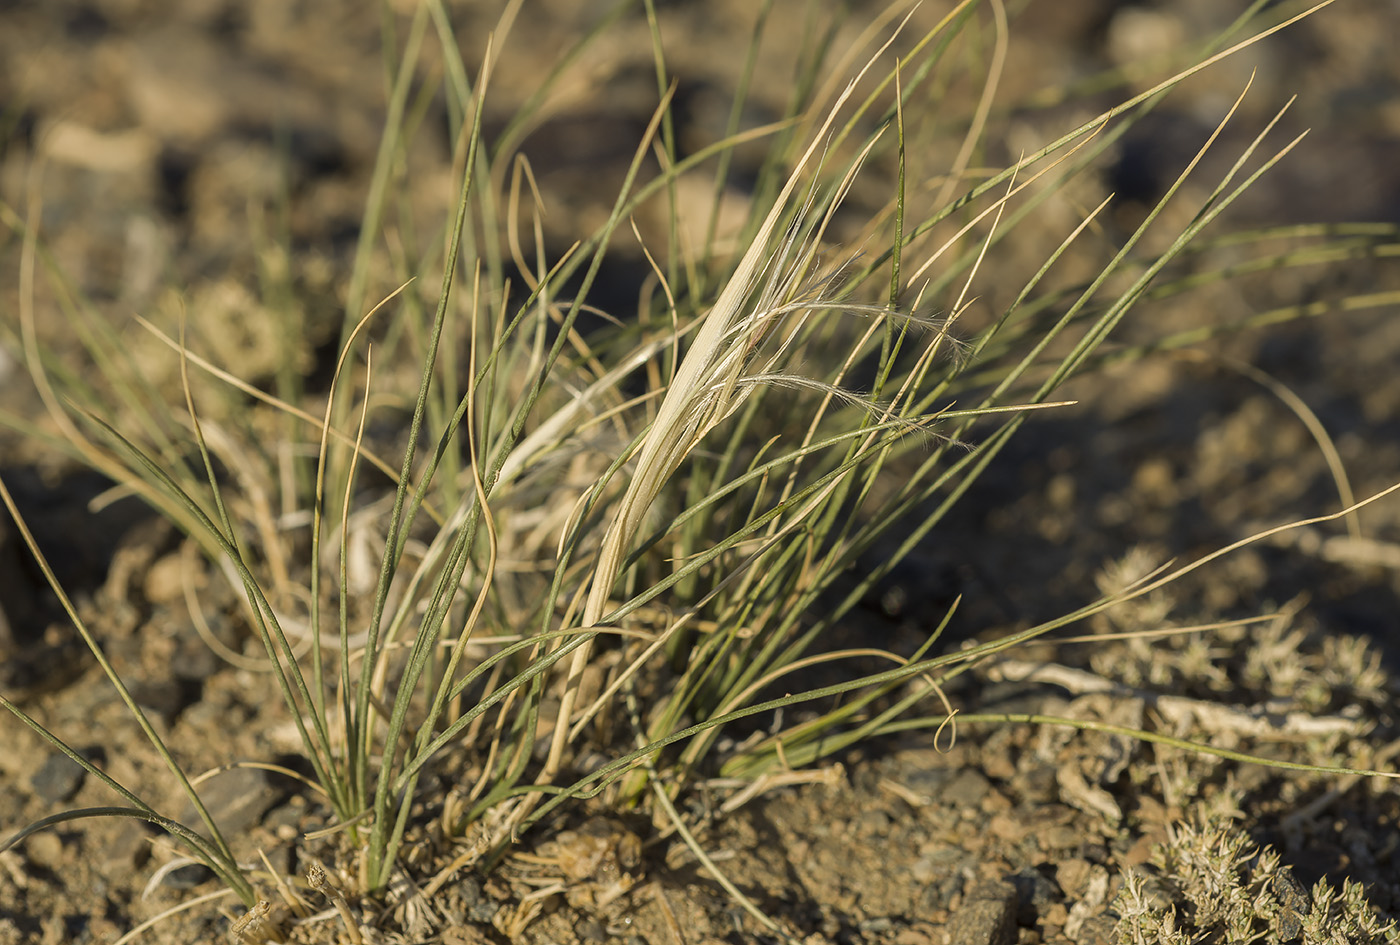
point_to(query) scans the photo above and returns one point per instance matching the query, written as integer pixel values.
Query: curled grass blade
(215, 855)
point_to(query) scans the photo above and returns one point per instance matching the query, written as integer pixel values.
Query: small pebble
(45, 850)
(60, 777)
(966, 790)
(236, 800)
(589, 929)
(986, 917)
(188, 876)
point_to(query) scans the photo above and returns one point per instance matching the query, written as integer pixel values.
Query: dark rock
(966, 789)
(188, 876)
(160, 697)
(1035, 893)
(236, 799)
(60, 777)
(987, 916)
(1294, 904)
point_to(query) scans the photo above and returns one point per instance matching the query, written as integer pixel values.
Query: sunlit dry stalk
(705, 391)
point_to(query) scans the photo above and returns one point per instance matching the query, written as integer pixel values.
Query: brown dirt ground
(164, 122)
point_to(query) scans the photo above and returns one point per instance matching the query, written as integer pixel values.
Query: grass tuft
(548, 552)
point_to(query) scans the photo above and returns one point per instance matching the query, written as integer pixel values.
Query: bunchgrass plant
(603, 539)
